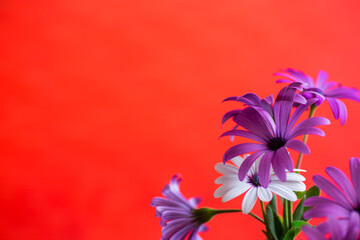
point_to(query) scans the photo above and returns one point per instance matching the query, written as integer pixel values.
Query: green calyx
(203, 215)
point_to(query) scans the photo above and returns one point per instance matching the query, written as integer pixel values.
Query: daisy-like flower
(179, 216)
(322, 89)
(233, 187)
(343, 207)
(274, 134)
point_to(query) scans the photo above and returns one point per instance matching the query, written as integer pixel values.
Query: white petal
(226, 169)
(227, 179)
(224, 189)
(255, 167)
(282, 191)
(237, 161)
(249, 200)
(295, 186)
(299, 170)
(290, 177)
(233, 193)
(265, 194)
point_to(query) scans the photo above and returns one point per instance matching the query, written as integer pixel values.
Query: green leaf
(273, 203)
(299, 224)
(299, 210)
(314, 191)
(300, 195)
(271, 222)
(290, 235)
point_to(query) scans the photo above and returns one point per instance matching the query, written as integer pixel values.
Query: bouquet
(263, 169)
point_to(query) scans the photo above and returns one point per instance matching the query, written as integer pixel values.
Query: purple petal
(252, 120)
(282, 108)
(284, 81)
(229, 115)
(298, 112)
(343, 92)
(264, 169)
(173, 215)
(278, 167)
(326, 211)
(247, 163)
(342, 111)
(334, 107)
(284, 156)
(321, 79)
(311, 122)
(312, 233)
(343, 182)
(298, 145)
(332, 191)
(303, 131)
(243, 133)
(355, 175)
(175, 226)
(242, 149)
(354, 226)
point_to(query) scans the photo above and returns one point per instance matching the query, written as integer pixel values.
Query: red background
(103, 101)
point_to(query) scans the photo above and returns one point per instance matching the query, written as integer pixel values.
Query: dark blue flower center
(254, 180)
(276, 143)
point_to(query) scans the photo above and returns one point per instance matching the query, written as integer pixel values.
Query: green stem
(268, 234)
(290, 206)
(311, 114)
(236, 210)
(286, 214)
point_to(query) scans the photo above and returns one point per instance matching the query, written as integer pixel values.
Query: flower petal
(282, 191)
(264, 194)
(298, 145)
(264, 168)
(234, 192)
(242, 149)
(249, 200)
(246, 165)
(332, 191)
(343, 182)
(355, 175)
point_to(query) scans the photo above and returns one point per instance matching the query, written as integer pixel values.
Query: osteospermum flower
(343, 206)
(274, 134)
(233, 187)
(179, 216)
(322, 89)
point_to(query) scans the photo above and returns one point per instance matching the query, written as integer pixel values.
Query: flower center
(254, 180)
(276, 143)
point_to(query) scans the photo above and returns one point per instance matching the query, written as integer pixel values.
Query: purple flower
(273, 132)
(343, 207)
(333, 230)
(179, 216)
(323, 90)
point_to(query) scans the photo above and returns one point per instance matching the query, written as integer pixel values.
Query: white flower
(233, 187)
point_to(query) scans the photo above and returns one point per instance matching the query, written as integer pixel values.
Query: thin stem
(290, 205)
(286, 214)
(311, 114)
(237, 210)
(268, 234)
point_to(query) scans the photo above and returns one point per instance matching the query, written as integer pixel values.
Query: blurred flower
(323, 90)
(275, 133)
(333, 230)
(233, 187)
(179, 216)
(343, 207)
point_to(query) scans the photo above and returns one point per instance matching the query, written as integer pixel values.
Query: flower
(274, 134)
(233, 187)
(332, 230)
(179, 216)
(343, 206)
(323, 90)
